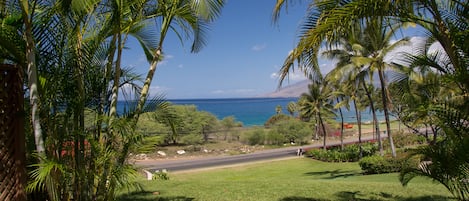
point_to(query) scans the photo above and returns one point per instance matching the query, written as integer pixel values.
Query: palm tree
(316, 104)
(319, 28)
(377, 48)
(292, 108)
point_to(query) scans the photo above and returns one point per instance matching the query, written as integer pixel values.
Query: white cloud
(292, 76)
(258, 47)
(219, 91)
(166, 60)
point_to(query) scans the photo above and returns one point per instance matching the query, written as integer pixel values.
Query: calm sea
(249, 111)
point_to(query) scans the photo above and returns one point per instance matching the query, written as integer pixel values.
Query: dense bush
(192, 139)
(402, 139)
(274, 138)
(350, 153)
(379, 164)
(254, 137)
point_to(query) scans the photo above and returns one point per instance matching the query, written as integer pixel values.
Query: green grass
(287, 180)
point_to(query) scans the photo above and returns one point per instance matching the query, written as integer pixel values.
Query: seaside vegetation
(77, 146)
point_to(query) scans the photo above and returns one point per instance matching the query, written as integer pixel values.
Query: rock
(180, 152)
(156, 193)
(161, 153)
(141, 157)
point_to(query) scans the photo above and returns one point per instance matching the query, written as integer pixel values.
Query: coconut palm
(316, 104)
(292, 108)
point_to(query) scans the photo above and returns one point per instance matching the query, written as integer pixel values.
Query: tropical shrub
(350, 153)
(274, 138)
(403, 139)
(382, 164)
(254, 137)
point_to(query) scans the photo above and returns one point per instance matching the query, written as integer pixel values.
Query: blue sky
(244, 51)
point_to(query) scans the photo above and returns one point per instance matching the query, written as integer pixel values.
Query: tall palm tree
(321, 25)
(378, 46)
(316, 104)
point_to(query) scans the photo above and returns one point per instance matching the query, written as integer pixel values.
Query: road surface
(209, 162)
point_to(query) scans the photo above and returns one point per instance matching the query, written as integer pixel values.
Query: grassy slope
(295, 179)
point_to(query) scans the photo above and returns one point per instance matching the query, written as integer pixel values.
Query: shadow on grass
(352, 196)
(335, 174)
(149, 196)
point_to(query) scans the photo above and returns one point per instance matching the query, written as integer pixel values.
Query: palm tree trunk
(32, 77)
(341, 128)
(386, 111)
(359, 123)
(146, 85)
(117, 75)
(375, 119)
(323, 131)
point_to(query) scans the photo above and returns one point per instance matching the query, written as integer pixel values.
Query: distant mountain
(293, 90)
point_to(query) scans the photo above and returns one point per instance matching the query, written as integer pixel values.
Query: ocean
(251, 111)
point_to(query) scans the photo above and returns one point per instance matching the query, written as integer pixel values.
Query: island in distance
(290, 91)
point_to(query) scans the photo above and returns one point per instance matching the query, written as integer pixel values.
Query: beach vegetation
(350, 153)
(316, 106)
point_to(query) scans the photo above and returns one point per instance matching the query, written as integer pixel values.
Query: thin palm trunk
(32, 77)
(117, 75)
(359, 123)
(321, 122)
(386, 112)
(375, 119)
(341, 128)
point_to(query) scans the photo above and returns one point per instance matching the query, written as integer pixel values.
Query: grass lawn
(298, 179)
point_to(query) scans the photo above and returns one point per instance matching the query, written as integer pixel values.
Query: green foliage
(160, 175)
(274, 138)
(275, 119)
(149, 144)
(351, 153)
(182, 120)
(293, 130)
(254, 137)
(403, 139)
(192, 139)
(380, 164)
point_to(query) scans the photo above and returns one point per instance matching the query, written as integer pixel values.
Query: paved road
(207, 162)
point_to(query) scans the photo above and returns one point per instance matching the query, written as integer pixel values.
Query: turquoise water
(251, 111)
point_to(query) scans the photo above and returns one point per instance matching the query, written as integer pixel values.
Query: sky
(242, 58)
(243, 55)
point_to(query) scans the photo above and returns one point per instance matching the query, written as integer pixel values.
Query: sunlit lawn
(287, 180)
